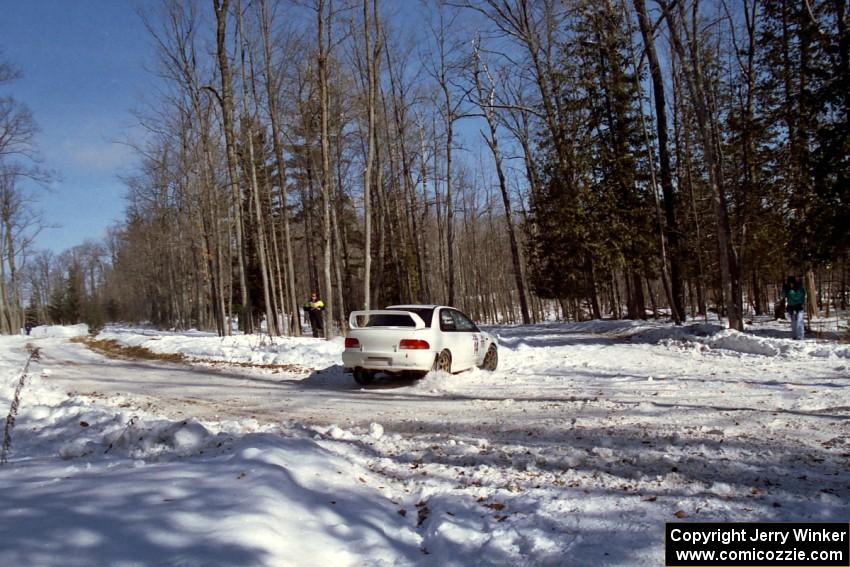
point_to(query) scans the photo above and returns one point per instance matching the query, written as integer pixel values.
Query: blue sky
(83, 64)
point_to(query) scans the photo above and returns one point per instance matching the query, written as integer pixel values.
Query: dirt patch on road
(114, 349)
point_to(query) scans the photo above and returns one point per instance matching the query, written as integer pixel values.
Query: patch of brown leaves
(114, 349)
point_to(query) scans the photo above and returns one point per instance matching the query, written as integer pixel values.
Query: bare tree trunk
(278, 271)
(371, 82)
(811, 295)
(6, 309)
(450, 269)
(438, 207)
(382, 223)
(13, 299)
(326, 163)
(426, 265)
(340, 233)
(248, 132)
(5, 319)
(310, 224)
(338, 264)
(271, 91)
(695, 81)
(593, 294)
(226, 101)
(670, 234)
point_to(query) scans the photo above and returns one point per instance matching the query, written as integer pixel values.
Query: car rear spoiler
(352, 319)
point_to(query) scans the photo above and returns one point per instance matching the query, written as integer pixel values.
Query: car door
(451, 339)
(468, 340)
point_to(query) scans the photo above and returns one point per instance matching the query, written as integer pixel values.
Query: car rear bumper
(422, 360)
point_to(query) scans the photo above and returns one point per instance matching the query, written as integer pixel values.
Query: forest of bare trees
(20, 220)
(519, 159)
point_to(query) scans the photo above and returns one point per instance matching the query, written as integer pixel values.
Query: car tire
(491, 359)
(443, 362)
(363, 377)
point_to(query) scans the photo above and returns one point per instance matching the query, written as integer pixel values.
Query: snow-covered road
(548, 376)
(576, 451)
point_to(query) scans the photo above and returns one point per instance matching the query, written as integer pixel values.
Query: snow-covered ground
(576, 451)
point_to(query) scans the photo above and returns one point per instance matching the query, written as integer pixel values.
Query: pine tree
(71, 304)
(619, 178)
(600, 221)
(805, 70)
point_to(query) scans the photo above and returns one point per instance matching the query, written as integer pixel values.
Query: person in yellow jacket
(314, 308)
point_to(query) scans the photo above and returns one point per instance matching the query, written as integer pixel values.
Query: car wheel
(443, 362)
(491, 359)
(363, 377)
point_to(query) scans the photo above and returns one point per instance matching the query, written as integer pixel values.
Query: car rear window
(426, 313)
(390, 321)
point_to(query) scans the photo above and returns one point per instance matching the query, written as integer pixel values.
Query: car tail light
(414, 344)
(351, 342)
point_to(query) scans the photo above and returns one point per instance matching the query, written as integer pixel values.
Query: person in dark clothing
(314, 308)
(795, 301)
(28, 327)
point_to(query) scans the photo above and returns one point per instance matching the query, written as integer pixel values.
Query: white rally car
(414, 339)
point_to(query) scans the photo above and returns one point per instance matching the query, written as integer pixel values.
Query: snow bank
(304, 353)
(705, 337)
(91, 485)
(59, 331)
(770, 339)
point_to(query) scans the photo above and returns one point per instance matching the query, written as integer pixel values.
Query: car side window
(463, 324)
(447, 322)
